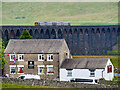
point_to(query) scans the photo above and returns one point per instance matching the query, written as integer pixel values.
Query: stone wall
(55, 83)
(112, 83)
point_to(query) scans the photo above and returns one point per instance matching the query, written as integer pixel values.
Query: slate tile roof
(34, 45)
(84, 63)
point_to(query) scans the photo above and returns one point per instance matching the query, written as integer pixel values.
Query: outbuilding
(87, 68)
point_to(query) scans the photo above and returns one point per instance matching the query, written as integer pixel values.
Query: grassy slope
(76, 13)
(116, 49)
(114, 59)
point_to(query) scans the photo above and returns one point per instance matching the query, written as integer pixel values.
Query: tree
(25, 35)
(2, 47)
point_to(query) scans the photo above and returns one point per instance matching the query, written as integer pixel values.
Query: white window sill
(20, 60)
(50, 73)
(20, 73)
(41, 73)
(40, 60)
(12, 73)
(11, 60)
(49, 60)
(69, 75)
(109, 72)
(92, 76)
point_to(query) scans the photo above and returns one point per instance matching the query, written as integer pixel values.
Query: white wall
(109, 76)
(79, 73)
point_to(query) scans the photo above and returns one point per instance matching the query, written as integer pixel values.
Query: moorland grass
(19, 13)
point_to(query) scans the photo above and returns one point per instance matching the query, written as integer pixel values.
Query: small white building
(87, 68)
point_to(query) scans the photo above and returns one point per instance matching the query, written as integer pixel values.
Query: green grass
(114, 59)
(116, 79)
(14, 85)
(115, 51)
(26, 13)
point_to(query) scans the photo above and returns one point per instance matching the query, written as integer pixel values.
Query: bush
(25, 35)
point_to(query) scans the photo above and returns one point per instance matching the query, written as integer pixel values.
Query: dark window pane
(51, 56)
(11, 56)
(31, 64)
(40, 57)
(12, 69)
(22, 57)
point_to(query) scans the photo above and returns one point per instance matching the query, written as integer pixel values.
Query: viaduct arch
(81, 40)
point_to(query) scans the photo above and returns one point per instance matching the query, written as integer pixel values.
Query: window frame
(69, 71)
(41, 57)
(49, 66)
(19, 56)
(14, 67)
(50, 57)
(92, 72)
(29, 64)
(10, 57)
(18, 68)
(39, 66)
(109, 69)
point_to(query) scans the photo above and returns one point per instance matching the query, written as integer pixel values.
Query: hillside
(77, 13)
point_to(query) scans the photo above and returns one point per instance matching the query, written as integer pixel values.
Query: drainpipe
(102, 72)
(58, 66)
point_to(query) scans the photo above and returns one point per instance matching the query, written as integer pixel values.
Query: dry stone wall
(55, 83)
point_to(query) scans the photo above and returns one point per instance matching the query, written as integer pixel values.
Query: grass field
(114, 59)
(14, 85)
(21, 13)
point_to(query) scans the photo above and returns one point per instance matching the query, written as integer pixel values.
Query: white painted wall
(108, 76)
(85, 73)
(79, 73)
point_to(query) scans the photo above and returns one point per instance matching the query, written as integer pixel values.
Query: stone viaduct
(81, 40)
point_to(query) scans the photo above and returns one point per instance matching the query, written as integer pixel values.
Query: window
(12, 57)
(69, 72)
(31, 64)
(41, 57)
(20, 69)
(50, 69)
(20, 57)
(12, 69)
(41, 69)
(109, 67)
(50, 57)
(92, 73)
(66, 55)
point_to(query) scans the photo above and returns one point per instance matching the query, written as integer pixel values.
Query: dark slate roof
(34, 45)
(84, 63)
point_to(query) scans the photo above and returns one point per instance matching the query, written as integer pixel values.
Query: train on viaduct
(81, 40)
